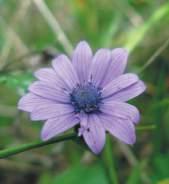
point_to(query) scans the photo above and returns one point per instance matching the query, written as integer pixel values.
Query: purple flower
(90, 92)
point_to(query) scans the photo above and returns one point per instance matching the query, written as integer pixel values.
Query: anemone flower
(86, 91)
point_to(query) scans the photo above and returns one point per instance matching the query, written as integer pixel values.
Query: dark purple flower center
(86, 98)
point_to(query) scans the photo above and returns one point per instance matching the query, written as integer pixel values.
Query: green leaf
(161, 167)
(45, 178)
(18, 80)
(81, 174)
(165, 181)
(135, 175)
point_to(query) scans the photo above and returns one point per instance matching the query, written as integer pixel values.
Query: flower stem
(146, 127)
(108, 163)
(107, 154)
(19, 149)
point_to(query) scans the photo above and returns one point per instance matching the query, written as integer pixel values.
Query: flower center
(86, 98)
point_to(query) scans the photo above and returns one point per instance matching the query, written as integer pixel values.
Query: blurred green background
(32, 32)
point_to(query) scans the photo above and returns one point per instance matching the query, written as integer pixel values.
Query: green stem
(19, 149)
(109, 163)
(146, 127)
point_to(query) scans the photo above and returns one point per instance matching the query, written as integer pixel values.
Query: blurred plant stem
(155, 55)
(108, 162)
(133, 161)
(54, 25)
(146, 127)
(137, 34)
(19, 149)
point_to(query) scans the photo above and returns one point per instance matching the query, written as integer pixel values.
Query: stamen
(86, 98)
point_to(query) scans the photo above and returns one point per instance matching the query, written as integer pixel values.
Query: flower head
(90, 91)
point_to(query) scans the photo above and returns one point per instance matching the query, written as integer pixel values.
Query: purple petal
(117, 65)
(30, 101)
(100, 64)
(81, 60)
(128, 93)
(83, 123)
(46, 74)
(41, 108)
(48, 91)
(121, 110)
(122, 129)
(50, 110)
(120, 83)
(65, 70)
(49, 76)
(94, 136)
(83, 119)
(55, 126)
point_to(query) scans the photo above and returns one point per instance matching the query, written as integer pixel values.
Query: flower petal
(120, 83)
(121, 110)
(117, 65)
(55, 126)
(50, 92)
(94, 136)
(41, 108)
(123, 130)
(83, 123)
(65, 70)
(100, 64)
(81, 60)
(30, 101)
(45, 74)
(128, 92)
(49, 76)
(83, 119)
(50, 110)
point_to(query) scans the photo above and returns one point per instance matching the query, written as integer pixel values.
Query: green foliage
(77, 174)
(161, 167)
(135, 175)
(17, 81)
(142, 27)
